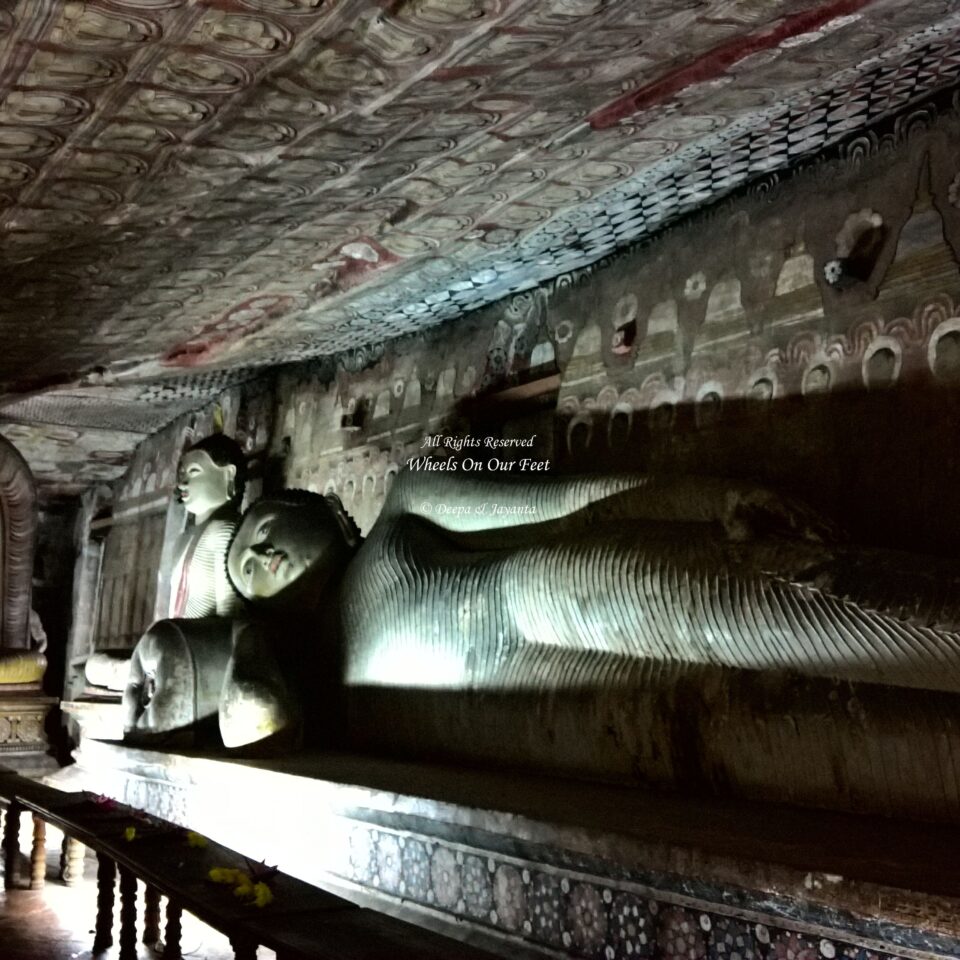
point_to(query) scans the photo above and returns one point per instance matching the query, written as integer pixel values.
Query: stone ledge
(444, 845)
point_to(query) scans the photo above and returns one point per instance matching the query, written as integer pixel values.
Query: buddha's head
(289, 544)
(210, 474)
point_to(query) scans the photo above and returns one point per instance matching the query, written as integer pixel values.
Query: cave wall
(719, 348)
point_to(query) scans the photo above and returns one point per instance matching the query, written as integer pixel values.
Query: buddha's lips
(275, 562)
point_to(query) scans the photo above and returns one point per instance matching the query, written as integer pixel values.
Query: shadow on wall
(883, 464)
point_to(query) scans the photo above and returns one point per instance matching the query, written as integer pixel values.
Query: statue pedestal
(97, 718)
(23, 738)
(532, 866)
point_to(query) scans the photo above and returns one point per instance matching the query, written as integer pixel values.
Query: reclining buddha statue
(458, 575)
(573, 623)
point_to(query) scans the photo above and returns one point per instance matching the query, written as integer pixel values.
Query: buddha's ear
(230, 470)
(349, 529)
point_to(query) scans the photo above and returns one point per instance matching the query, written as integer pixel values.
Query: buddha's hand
(751, 512)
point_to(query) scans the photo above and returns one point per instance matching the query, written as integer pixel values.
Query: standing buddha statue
(210, 480)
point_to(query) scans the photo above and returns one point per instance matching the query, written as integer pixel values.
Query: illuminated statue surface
(210, 479)
(210, 485)
(457, 576)
(461, 582)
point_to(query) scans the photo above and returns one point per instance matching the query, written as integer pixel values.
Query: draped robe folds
(200, 586)
(661, 631)
(664, 583)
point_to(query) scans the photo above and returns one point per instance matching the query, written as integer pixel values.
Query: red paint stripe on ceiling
(716, 61)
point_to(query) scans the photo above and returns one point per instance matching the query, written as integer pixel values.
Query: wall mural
(289, 179)
(664, 351)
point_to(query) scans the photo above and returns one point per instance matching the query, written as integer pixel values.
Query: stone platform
(23, 741)
(539, 867)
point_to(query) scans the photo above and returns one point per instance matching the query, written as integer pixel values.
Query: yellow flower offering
(258, 894)
(130, 833)
(195, 839)
(227, 875)
(262, 895)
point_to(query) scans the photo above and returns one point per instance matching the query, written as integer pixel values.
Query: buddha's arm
(462, 503)
(742, 508)
(467, 504)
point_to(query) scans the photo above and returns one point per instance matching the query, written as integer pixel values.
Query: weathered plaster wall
(718, 348)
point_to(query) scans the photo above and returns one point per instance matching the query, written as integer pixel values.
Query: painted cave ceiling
(191, 189)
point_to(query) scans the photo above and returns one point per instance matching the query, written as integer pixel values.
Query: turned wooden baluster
(106, 880)
(171, 937)
(38, 854)
(128, 915)
(151, 915)
(11, 845)
(71, 861)
(243, 949)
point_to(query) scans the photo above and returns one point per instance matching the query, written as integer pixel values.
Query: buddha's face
(203, 486)
(277, 544)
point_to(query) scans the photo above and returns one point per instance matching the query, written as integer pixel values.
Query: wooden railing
(301, 923)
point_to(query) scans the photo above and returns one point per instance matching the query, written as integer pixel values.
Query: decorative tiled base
(571, 913)
(519, 885)
(23, 740)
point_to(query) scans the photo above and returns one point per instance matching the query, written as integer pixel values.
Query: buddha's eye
(263, 530)
(248, 568)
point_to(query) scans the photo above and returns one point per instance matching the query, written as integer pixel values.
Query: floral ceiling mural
(198, 189)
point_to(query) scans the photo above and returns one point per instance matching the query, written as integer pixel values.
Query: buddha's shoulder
(219, 530)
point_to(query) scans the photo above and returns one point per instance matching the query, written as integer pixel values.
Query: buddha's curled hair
(333, 505)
